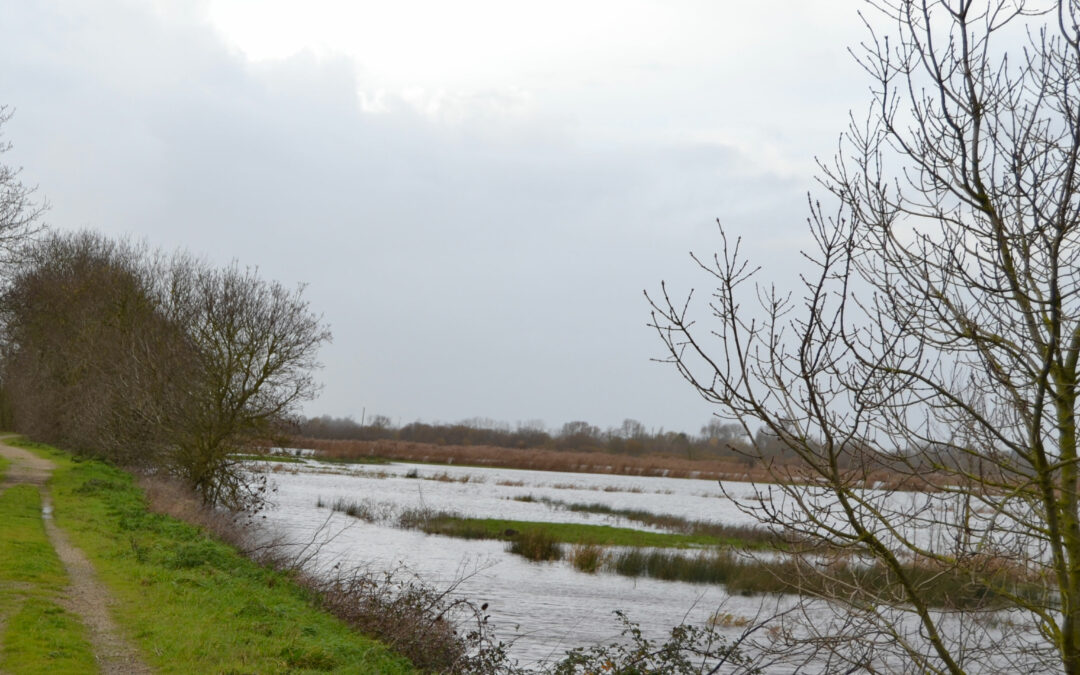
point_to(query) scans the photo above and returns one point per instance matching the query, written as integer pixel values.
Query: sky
(475, 194)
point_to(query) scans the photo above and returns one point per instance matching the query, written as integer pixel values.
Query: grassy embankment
(188, 602)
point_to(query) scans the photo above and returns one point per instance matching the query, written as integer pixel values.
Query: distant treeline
(715, 440)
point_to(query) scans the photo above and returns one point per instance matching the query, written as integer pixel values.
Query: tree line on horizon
(715, 440)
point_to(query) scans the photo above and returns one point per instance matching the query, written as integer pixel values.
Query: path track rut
(85, 596)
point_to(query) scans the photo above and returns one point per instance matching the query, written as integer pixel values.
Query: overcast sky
(476, 193)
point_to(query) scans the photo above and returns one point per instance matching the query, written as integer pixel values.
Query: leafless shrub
(436, 629)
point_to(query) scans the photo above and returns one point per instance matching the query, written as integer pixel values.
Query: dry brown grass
(537, 459)
(171, 498)
(591, 462)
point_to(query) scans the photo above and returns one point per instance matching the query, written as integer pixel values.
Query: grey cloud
(464, 272)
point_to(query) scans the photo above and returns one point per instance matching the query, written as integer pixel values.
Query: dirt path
(85, 596)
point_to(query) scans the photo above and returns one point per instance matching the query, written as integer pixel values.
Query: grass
(367, 509)
(535, 459)
(704, 568)
(651, 554)
(42, 637)
(191, 603)
(27, 557)
(4, 464)
(452, 524)
(39, 636)
(566, 533)
(738, 536)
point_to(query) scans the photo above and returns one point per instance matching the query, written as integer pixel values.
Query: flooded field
(544, 608)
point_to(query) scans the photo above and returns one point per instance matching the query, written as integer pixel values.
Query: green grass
(27, 557)
(190, 603)
(566, 533)
(739, 536)
(4, 464)
(39, 636)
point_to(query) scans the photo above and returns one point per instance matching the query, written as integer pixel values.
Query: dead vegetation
(538, 459)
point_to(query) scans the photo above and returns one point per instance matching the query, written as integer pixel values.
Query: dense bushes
(113, 350)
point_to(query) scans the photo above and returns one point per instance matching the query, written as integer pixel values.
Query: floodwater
(546, 608)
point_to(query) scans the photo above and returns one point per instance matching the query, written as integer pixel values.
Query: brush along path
(84, 596)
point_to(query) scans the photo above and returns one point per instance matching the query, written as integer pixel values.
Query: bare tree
(254, 344)
(937, 337)
(19, 211)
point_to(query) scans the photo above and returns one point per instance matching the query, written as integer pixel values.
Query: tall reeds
(536, 545)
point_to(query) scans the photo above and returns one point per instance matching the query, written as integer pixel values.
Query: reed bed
(540, 459)
(587, 558)
(536, 459)
(536, 545)
(936, 586)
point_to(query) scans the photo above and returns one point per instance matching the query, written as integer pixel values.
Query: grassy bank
(38, 635)
(191, 603)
